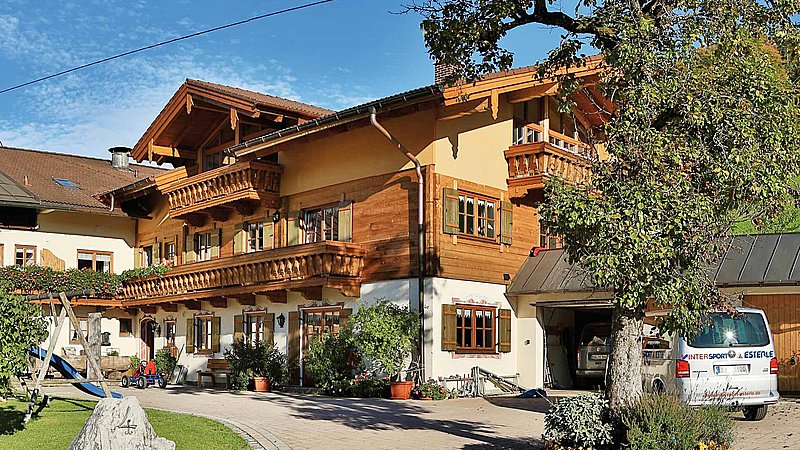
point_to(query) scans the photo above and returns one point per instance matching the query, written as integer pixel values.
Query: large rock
(119, 424)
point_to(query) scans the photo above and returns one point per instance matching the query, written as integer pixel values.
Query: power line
(170, 41)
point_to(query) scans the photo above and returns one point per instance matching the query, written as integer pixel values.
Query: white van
(731, 361)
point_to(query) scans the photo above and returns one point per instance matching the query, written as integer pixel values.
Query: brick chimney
(441, 72)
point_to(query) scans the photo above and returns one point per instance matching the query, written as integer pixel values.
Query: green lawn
(59, 423)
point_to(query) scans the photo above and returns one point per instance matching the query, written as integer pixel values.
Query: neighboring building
(280, 216)
(49, 217)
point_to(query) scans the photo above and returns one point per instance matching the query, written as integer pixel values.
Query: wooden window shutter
(156, 252)
(293, 231)
(504, 330)
(215, 323)
(293, 345)
(216, 238)
(450, 211)
(188, 248)
(239, 238)
(506, 222)
(189, 335)
(449, 328)
(269, 329)
(346, 221)
(238, 327)
(138, 256)
(344, 316)
(269, 235)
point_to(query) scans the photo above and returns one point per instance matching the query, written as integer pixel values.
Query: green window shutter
(216, 237)
(215, 323)
(504, 330)
(506, 222)
(293, 345)
(269, 329)
(346, 222)
(188, 249)
(268, 241)
(450, 211)
(189, 335)
(293, 231)
(239, 238)
(238, 327)
(449, 328)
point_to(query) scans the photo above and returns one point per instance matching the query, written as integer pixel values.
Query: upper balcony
(321, 264)
(539, 154)
(233, 186)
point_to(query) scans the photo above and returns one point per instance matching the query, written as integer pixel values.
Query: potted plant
(259, 363)
(386, 334)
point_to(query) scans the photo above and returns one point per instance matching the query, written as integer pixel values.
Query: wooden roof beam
(523, 95)
(172, 152)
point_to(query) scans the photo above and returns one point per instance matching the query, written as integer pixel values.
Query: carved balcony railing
(247, 182)
(533, 161)
(328, 263)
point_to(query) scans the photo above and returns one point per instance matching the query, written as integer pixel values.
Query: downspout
(420, 234)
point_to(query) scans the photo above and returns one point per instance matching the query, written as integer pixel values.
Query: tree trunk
(624, 381)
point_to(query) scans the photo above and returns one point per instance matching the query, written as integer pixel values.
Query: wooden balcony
(537, 157)
(322, 264)
(234, 186)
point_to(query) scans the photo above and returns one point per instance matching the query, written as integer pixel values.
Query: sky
(335, 55)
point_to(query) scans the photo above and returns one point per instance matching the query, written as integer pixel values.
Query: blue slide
(67, 371)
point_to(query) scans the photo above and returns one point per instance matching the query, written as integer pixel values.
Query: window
(169, 332)
(319, 322)
(475, 328)
(723, 330)
(547, 240)
(147, 256)
(73, 333)
(25, 255)
(211, 161)
(254, 326)
(476, 215)
(202, 245)
(66, 183)
(322, 224)
(202, 334)
(94, 260)
(125, 327)
(255, 236)
(169, 251)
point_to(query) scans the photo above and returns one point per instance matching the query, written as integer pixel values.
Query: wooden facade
(783, 312)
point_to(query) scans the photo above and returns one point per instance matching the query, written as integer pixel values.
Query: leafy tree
(703, 135)
(386, 334)
(21, 326)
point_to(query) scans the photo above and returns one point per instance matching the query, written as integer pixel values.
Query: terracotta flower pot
(261, 384)
(401, 390)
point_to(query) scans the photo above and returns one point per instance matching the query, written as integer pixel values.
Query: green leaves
(21, 326)
(385, 334)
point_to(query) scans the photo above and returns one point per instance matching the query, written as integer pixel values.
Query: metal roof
(751, 260)
(12, 194)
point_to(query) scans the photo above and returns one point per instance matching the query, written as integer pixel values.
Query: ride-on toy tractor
(144, 375)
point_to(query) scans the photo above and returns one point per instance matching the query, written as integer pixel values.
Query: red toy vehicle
(144, 375)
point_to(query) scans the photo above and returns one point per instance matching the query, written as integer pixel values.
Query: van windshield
(724, 330)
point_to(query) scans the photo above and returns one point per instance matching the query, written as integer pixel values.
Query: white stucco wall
(125, 345)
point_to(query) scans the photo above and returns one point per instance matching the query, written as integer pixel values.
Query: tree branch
(543, 16)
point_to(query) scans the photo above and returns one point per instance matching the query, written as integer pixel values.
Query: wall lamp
(281, 320)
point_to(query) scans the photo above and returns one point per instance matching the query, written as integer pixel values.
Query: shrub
(433, 390)
(365, 385)
(580, 421)
(165, 362)
(135, 361)
(246, 361)
(333, 362)
(664, 421)
(21, 327)
(385, 334)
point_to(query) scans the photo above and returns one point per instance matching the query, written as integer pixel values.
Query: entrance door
(316, 324)
(147, 334)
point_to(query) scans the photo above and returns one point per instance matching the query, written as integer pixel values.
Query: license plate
(739, 369)
(598, 357)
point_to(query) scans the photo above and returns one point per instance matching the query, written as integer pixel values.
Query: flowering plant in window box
(432, 390)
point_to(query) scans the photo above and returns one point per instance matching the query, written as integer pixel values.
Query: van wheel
(755, 413)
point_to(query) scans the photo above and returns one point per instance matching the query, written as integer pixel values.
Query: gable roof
(262, 99)
(34, 172)
(12, 194)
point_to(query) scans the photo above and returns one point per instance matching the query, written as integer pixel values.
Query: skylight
(66, 183)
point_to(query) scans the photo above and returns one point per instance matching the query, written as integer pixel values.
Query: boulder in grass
(119, 424)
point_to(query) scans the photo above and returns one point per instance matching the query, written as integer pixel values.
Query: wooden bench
(213, 367)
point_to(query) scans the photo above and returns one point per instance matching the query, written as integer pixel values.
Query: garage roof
(752, 260)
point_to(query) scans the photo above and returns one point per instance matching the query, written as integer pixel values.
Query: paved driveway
(304, 422)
